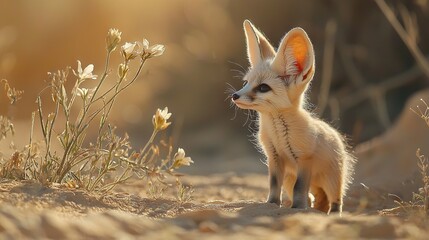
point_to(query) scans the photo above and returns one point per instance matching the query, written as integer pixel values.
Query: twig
(351, 70)
(352, 99)
(408, 37)
(328, 63)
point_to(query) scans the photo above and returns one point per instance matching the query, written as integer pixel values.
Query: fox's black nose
(235, 96)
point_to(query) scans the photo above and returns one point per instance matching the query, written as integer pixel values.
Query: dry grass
(418, 208)
(409, 33)
(423, 196)
(101, 163)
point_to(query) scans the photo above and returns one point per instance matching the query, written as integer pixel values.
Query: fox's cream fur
(304, 154)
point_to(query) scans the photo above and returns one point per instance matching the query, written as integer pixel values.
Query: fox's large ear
(295, 55)
(258, 47)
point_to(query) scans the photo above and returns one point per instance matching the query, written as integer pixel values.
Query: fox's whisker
(235, 112)
(230, 89)
(243, 70)
(240, 73)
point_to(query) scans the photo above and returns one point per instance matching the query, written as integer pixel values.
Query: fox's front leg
(276, 174)
(301, 188)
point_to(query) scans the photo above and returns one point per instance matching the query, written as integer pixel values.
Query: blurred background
(364, 71)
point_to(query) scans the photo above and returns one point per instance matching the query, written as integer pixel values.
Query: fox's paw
(300, 204)
(287, 203)
(274, 200)
(336, 209)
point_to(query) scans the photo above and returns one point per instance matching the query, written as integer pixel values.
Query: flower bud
(112, 39)
(123, 70)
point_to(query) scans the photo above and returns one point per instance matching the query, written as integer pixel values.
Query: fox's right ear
(295, 55)
(258, 47)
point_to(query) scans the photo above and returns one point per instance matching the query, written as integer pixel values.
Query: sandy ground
(223, 207)
(231, 205)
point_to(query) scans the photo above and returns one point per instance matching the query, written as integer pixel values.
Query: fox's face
(276, 80)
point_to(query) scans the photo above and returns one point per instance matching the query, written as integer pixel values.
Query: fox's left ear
(258, 47)
(295, 56)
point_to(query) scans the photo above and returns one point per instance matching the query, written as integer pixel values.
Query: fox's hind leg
(334, 192)
(321, 201)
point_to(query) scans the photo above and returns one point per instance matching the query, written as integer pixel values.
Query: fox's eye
(244, 83)
(263, 88)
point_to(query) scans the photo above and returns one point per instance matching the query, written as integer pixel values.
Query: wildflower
(160, 118)
(84, 93)
(86, 73)
(151, 51)
(180, 159)
(12, 94)
(112, 39)
(123, 70)
(129, 52)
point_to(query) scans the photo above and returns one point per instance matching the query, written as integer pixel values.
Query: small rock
(208, 227)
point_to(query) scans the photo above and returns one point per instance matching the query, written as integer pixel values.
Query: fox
(305, 155)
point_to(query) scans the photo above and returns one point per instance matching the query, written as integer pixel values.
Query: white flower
(164, 113)
(145, 44)
(152, 51)
(129, 50)
(157, 50)
(84, 93)
(86, 73)
(160, 118)
(180, 159)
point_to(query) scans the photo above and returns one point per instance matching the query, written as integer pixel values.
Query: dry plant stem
(105, 115)
(40, 111)
(87, 106)
(104, 76)
(48, 146)
(46, 128)
(105, 73)
(124, 177)
(424, 170)
(102, 171)
(423, 162)
(92, 117)
(73, 97)
(61, 172)
(407, 37)
(30, 144)
(151, 139)
(328, 63)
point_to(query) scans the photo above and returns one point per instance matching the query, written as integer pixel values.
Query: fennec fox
(304, 154)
